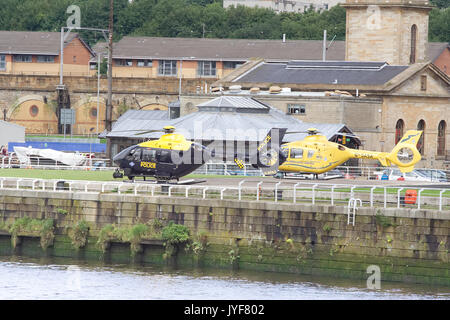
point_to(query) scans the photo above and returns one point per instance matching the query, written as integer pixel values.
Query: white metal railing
(300, 193)
(40, 163)
(220, 168)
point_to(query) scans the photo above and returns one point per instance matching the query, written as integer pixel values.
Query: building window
(442, 127)
(423, 83)
(296, 109)
(144, 63)
(421, 142)
(34, 110)
(232, 64)
(2, 62)
(206, 68)
(399, 128)
(93, 66)
(412, 58)
(93, 113)
(124, 63)
(167, 68)
(46, 59)
(22, 58)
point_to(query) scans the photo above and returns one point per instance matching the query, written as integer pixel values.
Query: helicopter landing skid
(181, 182)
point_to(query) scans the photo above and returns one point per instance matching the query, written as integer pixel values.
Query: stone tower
(395, 31)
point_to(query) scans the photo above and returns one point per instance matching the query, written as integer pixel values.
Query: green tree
(439, 25)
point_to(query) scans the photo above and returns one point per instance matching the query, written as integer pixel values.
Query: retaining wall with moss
(408, 245)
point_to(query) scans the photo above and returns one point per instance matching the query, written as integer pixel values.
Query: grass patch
(58, 174)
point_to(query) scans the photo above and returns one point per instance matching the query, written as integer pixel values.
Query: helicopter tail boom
(404, 155)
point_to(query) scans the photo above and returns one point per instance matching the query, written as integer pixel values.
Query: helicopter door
(148, 159)
(165, 165)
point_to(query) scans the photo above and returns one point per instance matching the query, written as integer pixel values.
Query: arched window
(441, 138)
(412, 57)
(399, 127)
(421, 142)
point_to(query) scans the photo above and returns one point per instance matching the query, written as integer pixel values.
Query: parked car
(434, 175)
(396, 174)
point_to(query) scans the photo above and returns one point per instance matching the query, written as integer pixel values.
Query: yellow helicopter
(316, 155)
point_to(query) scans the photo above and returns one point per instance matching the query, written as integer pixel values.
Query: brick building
(38, 53)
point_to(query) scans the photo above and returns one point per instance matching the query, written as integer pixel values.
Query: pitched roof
(435, 49)
(223, 49)
(236, 49)
(218, 125)
(134, 120)
(31, 42)
(322, 72)
(232, 103)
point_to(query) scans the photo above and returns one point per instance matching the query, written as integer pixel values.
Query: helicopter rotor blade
(294, 132)
(141, 131)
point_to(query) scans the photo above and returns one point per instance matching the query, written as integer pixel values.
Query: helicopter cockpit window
(310, 153)
(137, 154)
(285, 152)
(296, 153)
(149, 155)
(164, 156)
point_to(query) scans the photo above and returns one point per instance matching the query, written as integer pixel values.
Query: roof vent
(235, 89)
(254, 90)
(274, 89)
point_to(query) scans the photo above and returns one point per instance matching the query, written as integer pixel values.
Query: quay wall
(408, 245)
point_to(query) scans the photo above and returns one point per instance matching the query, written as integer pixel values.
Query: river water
(61, 279)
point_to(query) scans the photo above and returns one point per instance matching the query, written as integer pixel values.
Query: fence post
(295, 192)
(440, 199)
(352, 194)
(398, 197)
(276, 191)
(418, 198)
(385, 196)
(221, 193)
(314, 194)
(18, 183)
(187, 191)
(332, 194)
(257, 190)
(371, 196)
(240, 189)
(204, 192)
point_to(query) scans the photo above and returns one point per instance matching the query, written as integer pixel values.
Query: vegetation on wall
(79, 234)
(191, 18)
(33, 227)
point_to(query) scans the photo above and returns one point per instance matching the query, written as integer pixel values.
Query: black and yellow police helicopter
(169, 157)
(315, 154)
(172, 156)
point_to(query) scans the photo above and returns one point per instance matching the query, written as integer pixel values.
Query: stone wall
(407, 245)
